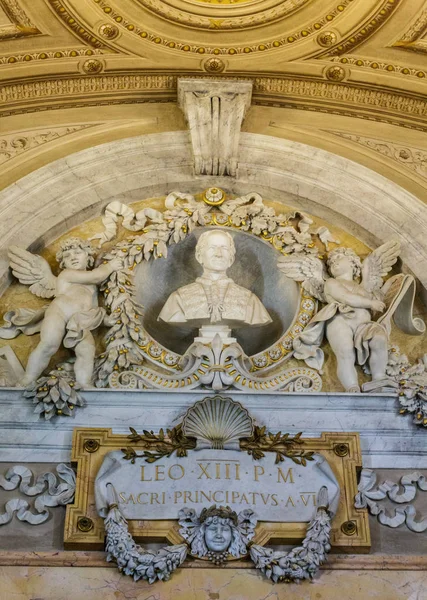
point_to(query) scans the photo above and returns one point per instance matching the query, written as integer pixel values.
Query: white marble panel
(388, 440)
(227, 477)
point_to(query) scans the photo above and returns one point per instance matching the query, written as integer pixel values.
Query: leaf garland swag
(412, 384)
(126, 338)
(260, 442)
(56, 394)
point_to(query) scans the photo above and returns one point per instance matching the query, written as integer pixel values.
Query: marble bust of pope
(214, 298)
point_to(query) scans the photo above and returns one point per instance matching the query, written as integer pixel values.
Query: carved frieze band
(366, 29)
(326, 96)
(259, 18)
(13, 145)
(251, 19)
(414, 159)
(77, 26)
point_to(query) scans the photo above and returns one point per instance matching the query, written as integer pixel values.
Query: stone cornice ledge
(336, 562)
(387, 440)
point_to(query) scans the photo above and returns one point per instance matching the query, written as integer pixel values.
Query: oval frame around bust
(255, 268)
(157, 353)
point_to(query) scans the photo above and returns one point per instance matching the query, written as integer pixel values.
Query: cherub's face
(342, 266)
(218, 536)
(75, 258)
(216, 254)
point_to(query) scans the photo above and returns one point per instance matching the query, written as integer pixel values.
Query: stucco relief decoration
(371, 495)
(357, 317)
(49, 488)
(219, 533)
(211, 229)
(214, 359)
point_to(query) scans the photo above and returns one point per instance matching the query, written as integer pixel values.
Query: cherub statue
(347, 317)
(217, 532)
(72, 315)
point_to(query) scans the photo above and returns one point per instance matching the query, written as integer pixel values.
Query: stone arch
(48, 202)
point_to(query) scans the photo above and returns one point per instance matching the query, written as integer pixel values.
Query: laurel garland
(161, 445)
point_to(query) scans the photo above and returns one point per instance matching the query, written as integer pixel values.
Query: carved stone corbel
(214, 111)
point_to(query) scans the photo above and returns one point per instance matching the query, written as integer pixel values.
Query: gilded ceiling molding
(185, 15)
(414, 159)
(20, 24)
(48, 55)
(365, 30)
(380, 66)
(17, 143)
(155, 38)
(367, 102)
(415, 38)
(77, 27)
(407, 110)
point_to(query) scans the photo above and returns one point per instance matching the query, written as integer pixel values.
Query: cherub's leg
(85, 358)
(340, 337)
(378, 357)
(51, 335)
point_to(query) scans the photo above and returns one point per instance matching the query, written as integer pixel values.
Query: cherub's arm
(338, 292)
(96, 276)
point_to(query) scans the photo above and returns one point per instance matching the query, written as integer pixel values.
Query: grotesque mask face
(218, 535)
(75, 258)
(216, 254)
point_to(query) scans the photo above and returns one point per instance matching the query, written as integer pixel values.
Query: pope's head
(215, 251)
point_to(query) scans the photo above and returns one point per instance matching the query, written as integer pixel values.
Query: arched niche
(48, 202)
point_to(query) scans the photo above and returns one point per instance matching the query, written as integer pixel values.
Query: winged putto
(73, 313)
(355, 295)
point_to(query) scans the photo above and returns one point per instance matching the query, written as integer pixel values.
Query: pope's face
(218, 537)
(217, 254)
(75, 258)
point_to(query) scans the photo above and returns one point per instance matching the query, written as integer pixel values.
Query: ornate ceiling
(76, 73)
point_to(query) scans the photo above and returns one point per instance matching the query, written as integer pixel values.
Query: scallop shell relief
(217, 423)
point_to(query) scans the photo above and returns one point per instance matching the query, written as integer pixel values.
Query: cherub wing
(32, 270)
(308, 269)
(378, 264)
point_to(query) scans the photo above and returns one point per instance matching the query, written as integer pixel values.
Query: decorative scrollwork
(133, 560)
(370, 494)
(51, 490)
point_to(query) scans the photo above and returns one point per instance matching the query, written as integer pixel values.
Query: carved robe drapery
(215, 301)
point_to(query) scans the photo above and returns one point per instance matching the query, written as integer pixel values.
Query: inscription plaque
(284, 492)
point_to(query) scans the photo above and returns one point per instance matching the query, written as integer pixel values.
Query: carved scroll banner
(216, 457)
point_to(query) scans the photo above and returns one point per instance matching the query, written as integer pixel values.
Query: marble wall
(94, 583)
